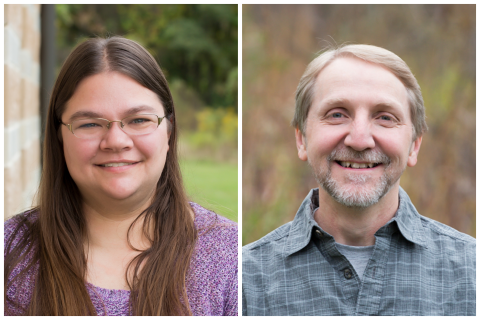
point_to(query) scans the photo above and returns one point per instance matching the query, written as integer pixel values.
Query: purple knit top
(212, 284)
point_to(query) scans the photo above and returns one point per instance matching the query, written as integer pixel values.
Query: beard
(354, 193)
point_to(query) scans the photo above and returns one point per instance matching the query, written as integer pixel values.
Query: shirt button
(347, 273)
(318, 233)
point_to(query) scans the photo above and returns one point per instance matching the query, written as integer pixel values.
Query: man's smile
(356, 165)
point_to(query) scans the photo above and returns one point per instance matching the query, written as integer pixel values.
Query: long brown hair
(56, 237)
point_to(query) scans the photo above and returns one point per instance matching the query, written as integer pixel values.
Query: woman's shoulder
(207, 220)
(213, 286)
(16, 226)
(215, 230)
(19, 290)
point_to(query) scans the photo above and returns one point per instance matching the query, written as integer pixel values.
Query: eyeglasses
(94, 128)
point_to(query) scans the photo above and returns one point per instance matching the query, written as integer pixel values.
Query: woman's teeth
(118, 164)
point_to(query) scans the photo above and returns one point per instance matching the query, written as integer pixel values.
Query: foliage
(194, 43)
(218, 122)
(216, 134)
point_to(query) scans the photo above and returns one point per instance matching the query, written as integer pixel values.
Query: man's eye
(386, 118)
(337, 115)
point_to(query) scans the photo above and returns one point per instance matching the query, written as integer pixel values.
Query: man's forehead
(346, 77)
(350, 64)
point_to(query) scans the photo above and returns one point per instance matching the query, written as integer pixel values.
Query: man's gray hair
(373, 54)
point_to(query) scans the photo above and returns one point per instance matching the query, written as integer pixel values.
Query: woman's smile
(115, 165)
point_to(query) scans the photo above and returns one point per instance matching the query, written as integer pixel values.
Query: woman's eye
(90, 125)
(139, 120)
(336, 115)
(387, 118)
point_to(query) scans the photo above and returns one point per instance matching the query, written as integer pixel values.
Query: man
(357, 245)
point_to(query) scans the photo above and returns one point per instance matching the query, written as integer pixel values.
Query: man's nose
(360, 136)
(115, 138)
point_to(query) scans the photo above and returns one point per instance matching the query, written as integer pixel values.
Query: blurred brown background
(436, 41)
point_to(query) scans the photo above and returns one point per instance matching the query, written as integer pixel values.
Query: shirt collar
(407, 219)
(302, 225)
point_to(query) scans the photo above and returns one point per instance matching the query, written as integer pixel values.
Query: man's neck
(355, 226)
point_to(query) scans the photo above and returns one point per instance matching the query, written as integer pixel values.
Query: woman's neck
(111, 245)
(108, 226)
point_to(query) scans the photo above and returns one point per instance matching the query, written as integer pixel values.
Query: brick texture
(21, 106)
(13, 190)
(13, 95)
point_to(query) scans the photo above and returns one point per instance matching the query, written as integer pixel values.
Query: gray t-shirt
(358, 256)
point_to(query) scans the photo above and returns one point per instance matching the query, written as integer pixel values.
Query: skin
(358, 106)
(114, 196)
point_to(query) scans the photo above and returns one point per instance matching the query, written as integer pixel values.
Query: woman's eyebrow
(93, 114)
(84, 114)
(142, 108)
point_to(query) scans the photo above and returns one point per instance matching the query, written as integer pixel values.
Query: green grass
(213, 185)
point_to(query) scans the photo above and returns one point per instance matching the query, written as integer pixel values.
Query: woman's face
(114, 96)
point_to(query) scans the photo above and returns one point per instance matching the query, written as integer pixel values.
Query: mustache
(348, 154)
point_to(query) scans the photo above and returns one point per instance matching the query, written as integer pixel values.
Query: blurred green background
(436, 41)
(197, 48)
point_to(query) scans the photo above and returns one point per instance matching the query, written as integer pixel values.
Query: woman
(113, 232)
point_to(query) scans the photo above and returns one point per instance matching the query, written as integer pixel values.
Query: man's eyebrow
(389, 104)
(335, 101)
(93, 114)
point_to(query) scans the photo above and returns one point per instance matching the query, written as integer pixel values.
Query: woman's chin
(112, 193)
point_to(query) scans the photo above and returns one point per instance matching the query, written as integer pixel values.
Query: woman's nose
(115, 139)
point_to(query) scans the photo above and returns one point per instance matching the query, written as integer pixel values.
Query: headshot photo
(121, 145)
(358, 160)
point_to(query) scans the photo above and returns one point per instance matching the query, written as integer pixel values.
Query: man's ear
(414, 149)
(301, 145)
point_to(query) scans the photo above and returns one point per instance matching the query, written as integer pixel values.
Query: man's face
(358, 135)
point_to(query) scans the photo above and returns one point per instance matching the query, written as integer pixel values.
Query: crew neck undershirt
(358, 256)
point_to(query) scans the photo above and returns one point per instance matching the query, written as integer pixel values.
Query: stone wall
(22, 111)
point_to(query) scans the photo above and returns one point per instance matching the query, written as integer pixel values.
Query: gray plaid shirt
(418, 267)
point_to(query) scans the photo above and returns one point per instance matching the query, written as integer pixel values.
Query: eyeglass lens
(94, 127)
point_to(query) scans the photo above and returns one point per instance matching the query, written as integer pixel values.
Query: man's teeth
(355, 165)
(117, 164)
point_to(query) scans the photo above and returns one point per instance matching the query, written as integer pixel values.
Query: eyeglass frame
(70, 127)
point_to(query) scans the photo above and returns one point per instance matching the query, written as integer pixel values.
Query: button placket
(347, 273)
